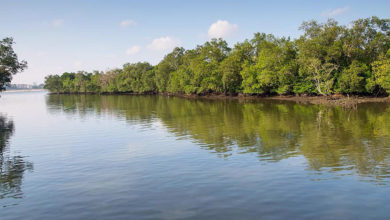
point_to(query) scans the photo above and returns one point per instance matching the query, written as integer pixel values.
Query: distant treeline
(328, 58)
(23, 86)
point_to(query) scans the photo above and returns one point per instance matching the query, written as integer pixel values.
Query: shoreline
(23, 90)
(333, 100)
(351, 102)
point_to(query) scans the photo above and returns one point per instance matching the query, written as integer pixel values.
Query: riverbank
(334, 100)
(343, 101)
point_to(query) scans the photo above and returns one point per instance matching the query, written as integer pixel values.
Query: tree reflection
(331, 139)
(12, 168)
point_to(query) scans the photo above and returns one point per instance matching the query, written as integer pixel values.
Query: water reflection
(331, 139)
(12, 168)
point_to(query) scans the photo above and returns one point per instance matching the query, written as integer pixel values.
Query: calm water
(150, 157)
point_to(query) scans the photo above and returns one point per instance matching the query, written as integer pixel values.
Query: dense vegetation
(9, 63)
(328, 58)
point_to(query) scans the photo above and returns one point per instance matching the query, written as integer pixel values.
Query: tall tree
(231, 67)
(53, 83)
(9, 63)
(320, 54)
(169, 64)
(380, 79)
(366, 39)
(275, 66)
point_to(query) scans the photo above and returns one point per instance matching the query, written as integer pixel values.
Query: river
(157, 157)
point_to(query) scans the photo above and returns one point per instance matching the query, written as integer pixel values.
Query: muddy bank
(343, 101)
(335, 100)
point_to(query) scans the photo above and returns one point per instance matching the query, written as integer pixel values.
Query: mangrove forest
(327, 58)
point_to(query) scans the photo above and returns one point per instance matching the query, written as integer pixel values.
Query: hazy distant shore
(23, 90)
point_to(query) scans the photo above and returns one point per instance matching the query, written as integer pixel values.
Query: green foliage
(133, 78)
(9, 63)
(352, 79)
(320, 54)
(232, 66)
(367, 39)
(53, 83)
(275, 68)
(381, 74)
(169, 64)
(327, 58)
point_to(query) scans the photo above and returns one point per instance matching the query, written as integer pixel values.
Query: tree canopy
(9, 63)
(327, 58)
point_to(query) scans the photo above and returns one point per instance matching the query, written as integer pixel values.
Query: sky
(64, 36)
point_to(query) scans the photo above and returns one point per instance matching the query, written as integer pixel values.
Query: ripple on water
(152, 157)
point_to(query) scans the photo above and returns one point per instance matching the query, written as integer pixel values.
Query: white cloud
(222, 28)
(57, 23)
(164, 44)
(127, 23)
(335, 12)
(133, 50)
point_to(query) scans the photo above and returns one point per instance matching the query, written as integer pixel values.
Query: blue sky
(58, 36)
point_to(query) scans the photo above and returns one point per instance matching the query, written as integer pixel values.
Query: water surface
(154, 157)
